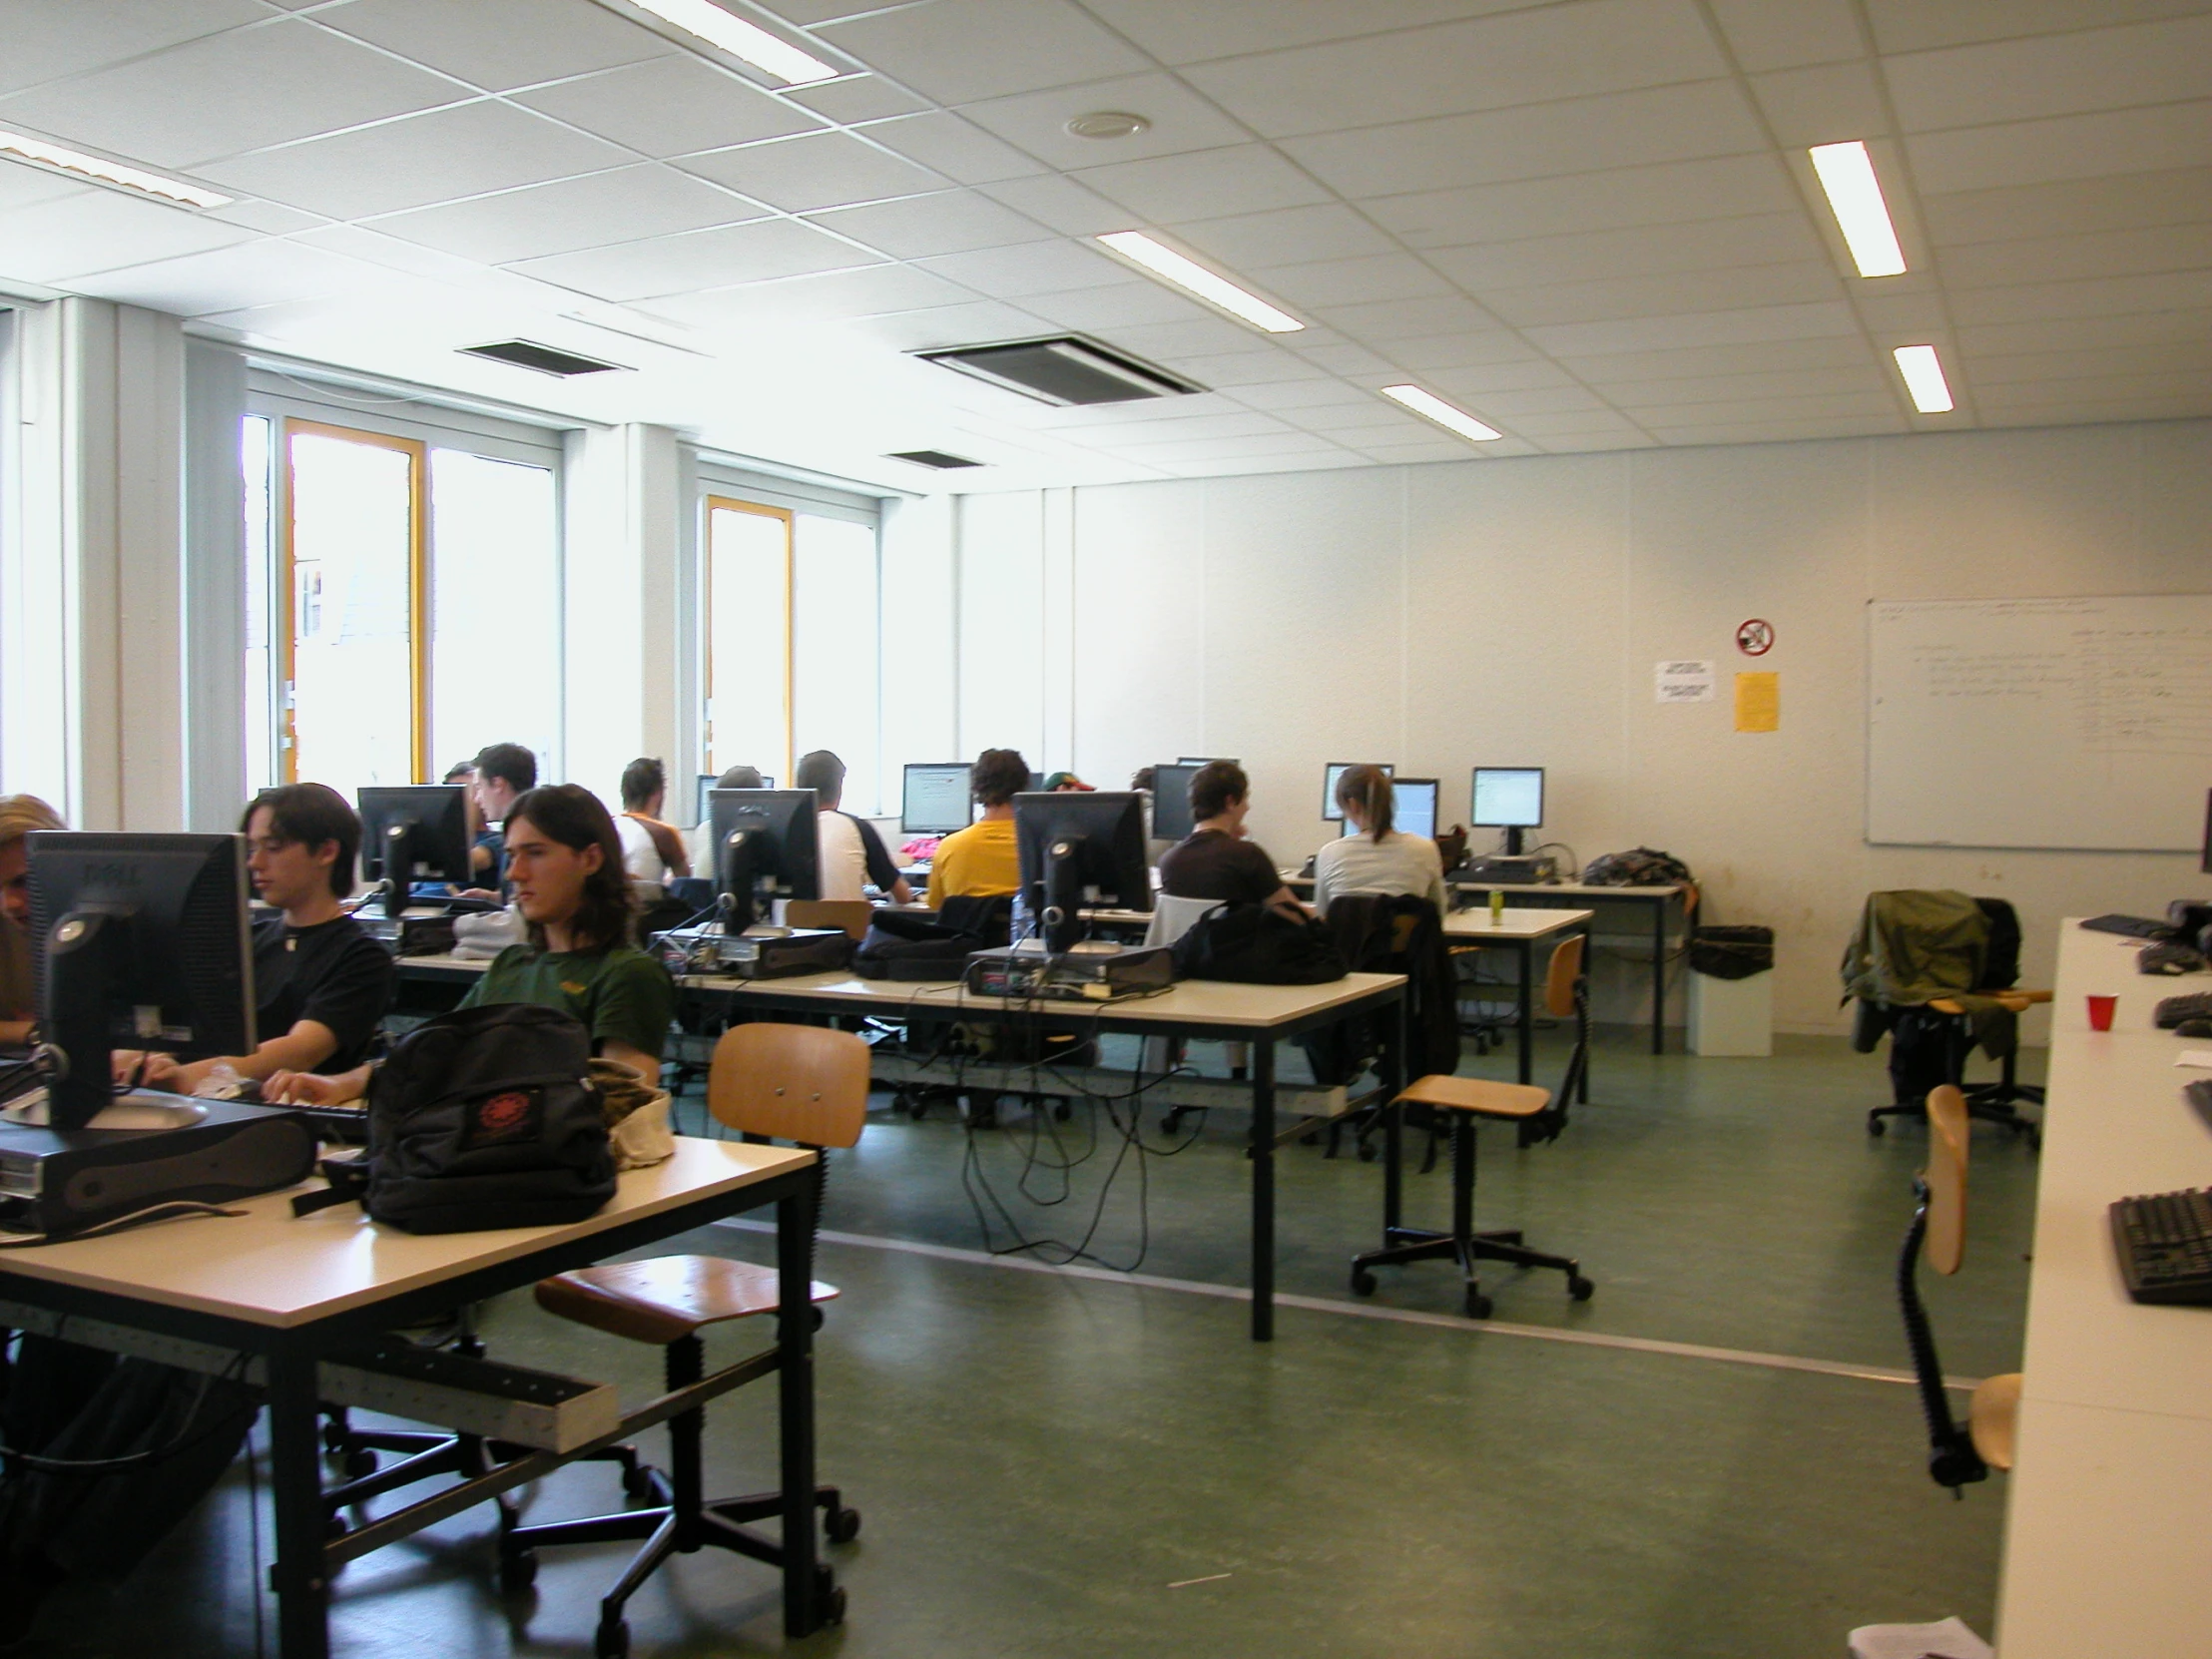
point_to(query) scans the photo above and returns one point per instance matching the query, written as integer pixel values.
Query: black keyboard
(2135, 928)
(2172, 1011)
(2164, 1243)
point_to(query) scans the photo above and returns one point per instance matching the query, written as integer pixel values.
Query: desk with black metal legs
(1518, 930)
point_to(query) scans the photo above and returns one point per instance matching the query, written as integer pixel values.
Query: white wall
(1510, 612)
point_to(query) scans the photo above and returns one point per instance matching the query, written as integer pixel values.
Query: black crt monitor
(937, 798)
(139, 942)
(1330, 774)
(417, 833)
(766, 844)
(1412, 806)
(1081, 847)
(1509, 798)
(1172, 818)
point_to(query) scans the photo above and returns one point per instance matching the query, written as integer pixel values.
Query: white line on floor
(1369, 1311)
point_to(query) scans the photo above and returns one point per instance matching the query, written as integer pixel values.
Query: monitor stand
(1513, 841)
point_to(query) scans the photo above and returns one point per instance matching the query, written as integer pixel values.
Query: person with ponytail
(1375, 857)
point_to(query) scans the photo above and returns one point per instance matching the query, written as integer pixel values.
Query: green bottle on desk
(1497, 909)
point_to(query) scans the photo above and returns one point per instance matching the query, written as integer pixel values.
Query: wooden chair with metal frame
(1957, 1456)
(800, 1083)
(1566, 995)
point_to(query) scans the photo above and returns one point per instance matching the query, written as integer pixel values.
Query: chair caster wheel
(833, 1607)
(637, 1486)
(1478, 1304)
(1874, 1126)
(612, 1640)
(1063, 1111)
(358, 1462)
(519, 1570)
(1366, 1152)
(841, 1527)
(1581, 1288)
(1363, 1281)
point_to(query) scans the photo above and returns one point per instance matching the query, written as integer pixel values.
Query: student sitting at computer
(1060, 780)
(19, 815)
(1214, 860)
(565, 865)
(652, 851)
(853, 853)
(982, 862)
(506, 772)
(1376, 858)
(320, 983)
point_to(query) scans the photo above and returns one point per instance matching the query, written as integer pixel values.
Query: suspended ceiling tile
(1718, 389)
(1462, 350)
(1653, 333)
(282, 81)
(1634, 251)
(1205, 184)
(2070, 74)
(1033, 44)
(1283, 235)
(1533, 56)
(1035, 268)
(1180, 121)
(2165, 247)
(269, 218)
(1873, 404)
(1344, 358)
(1124, 306)
(1488, 379)
(1185, 430)
(2170, 357)
(1167, 341)
(815, 170)
(1231, 449)
(1178, 32)
(695, 259)
(1827, 104)
(2178, 195)
(50, 41)
(1380, 322)
(2088, 333)
(671, 105)
(1918, 25)
(1584, 135)
(1430, 449)
(625, 204)
(2184, 383)
(21, 184)
(955, 147)
(1348, 413)
(1508, 407)
(832, 295)
(1782, 355)
(811, 12)
(1587, 443)
(499, 44)
(854, 98)
(1590, 203)
(976, 323)
(2097, 297)
(1672, 293)
(1268, 365)
(223, 280)
(1060, 203)
(1581, 424)
(1781, 431)
(952, 222)
(1766, 36)
(1289, 396)
(1378, 277)
(102, 230)
(2066, 146)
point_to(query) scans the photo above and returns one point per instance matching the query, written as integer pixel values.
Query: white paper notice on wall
(1683, 682)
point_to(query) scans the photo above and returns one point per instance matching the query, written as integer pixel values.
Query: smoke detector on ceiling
(1109, 124)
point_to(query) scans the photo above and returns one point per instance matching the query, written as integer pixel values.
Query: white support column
(1057, 632)
(623, 547)
(214, 586)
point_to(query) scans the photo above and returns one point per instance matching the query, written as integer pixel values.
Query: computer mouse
(2194, 1028)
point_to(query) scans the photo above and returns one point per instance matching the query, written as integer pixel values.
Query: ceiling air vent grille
(1062, 371)
(540, 359)
(937, 458)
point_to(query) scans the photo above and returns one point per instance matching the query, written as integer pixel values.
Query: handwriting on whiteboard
(2135, 690)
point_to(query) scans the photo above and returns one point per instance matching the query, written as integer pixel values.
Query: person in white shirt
(1377, 859)
(853, 853)
(652, 852)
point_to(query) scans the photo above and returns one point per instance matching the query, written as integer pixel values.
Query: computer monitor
(1205, 760)
(415, 833)
(937, 800)
(2206, 864)
(139, 942)
(705, 786)
(1080, 848)
(1330, 774)
(1172, 818)
(1412, 806)
(766, 844)
(1036, 782)
(1509, 798)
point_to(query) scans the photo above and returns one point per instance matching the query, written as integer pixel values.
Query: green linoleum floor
(1039, 1458)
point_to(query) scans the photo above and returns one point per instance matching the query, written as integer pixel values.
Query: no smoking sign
(1755, 638)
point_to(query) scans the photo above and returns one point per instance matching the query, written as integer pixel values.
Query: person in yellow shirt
(982, 862)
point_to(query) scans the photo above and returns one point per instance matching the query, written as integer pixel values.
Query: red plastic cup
(2100, 1013)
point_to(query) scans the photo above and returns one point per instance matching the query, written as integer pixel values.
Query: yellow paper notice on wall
(1758, 702)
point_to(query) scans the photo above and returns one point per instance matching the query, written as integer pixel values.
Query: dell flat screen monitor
(766, 844)
(1330, 774)
(139, 942)
(1172, 818)
(937, 798)
(417, 833)
(1081, 847)
(1412, 806)
(1509, 798)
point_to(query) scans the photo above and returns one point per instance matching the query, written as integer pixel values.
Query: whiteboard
(2049, 723)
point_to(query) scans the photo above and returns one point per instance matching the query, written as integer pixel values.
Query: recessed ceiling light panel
(1192, 277)
(1923, 378)
(100, 171)
(1429, 406)
(1855, 197)
(747, 41)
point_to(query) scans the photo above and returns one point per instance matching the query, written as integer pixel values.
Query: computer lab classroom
(1221, 827)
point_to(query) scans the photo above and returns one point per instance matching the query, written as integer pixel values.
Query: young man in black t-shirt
(321, 982)
(1214, 862)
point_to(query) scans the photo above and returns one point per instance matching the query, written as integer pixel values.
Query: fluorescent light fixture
(1923, 378)
(1193, 277)
(1855, 197)
(740, 39)
(177, 194)
(1431, 407)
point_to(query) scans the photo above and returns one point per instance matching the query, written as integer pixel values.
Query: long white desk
(2107, 1549)
(1520, 930)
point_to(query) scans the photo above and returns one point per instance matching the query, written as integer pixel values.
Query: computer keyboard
(2164, 1243)
(2172, 1011)
(2134, 927)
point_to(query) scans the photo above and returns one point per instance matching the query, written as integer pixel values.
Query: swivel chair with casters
(1957, 1456)
(801, 1083)
(1466, 1099)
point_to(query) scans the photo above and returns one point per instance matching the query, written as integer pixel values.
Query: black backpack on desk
(481, 1117)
